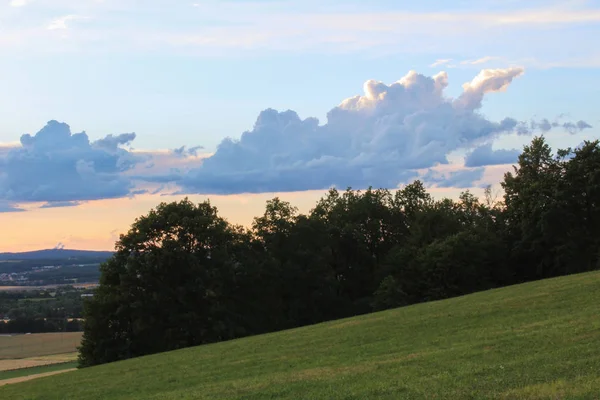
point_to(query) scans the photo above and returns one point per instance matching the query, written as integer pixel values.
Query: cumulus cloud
(484, 155)
(55, 165)
(488, 80)
(385, 137)
(379, 138)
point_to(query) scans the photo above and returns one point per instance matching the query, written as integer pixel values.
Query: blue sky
(122, 66)
(192, 73)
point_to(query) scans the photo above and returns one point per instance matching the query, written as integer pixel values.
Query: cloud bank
(379, 138)
(55, 165)
(389, 135)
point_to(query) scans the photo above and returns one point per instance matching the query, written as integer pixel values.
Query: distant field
(39, 344)
(22, 356)
(44, 287)
(11, 364)
(539, 340)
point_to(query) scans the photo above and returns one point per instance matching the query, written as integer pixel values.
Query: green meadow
(539, 340)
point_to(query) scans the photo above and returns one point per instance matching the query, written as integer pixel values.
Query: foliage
(184, 276)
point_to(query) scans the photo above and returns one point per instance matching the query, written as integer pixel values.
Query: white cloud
(381, 138)
(61, 23)
(216, 28)
(18, 3)
(481, 60)
(360, 30)
(439, 62)
(488, 80)
(389, 135)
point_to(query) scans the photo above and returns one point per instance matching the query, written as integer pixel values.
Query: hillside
(535, 341)
(51, 267)
(54, 254)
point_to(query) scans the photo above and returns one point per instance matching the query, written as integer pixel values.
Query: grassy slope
(538, 340)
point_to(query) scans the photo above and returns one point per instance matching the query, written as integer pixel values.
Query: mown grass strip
(16, 373)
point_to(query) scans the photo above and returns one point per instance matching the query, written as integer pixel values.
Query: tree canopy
(184, 276)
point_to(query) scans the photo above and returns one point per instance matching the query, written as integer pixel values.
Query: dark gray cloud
(55, 165)
(574, 128)
(60, 204)
(185, 152)
(544, 125)
(112, 142)
(484, 155)
(6, 207)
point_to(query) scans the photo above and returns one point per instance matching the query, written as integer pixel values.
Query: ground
(539, 340)
(27, 356)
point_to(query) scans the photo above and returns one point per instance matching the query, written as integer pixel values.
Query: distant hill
(55, 254)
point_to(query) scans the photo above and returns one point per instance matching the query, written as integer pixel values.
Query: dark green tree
(532, 210)
(168, 286)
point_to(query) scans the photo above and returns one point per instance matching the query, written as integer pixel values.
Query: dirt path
(29, 377)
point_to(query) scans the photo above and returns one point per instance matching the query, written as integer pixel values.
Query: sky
(109, 107)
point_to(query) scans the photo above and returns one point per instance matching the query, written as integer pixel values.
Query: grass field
(10, 364)
(535, 341)
(25, 355)
(38, 344)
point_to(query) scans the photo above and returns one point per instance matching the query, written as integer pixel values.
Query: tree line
(183, 276)
(41, 311)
